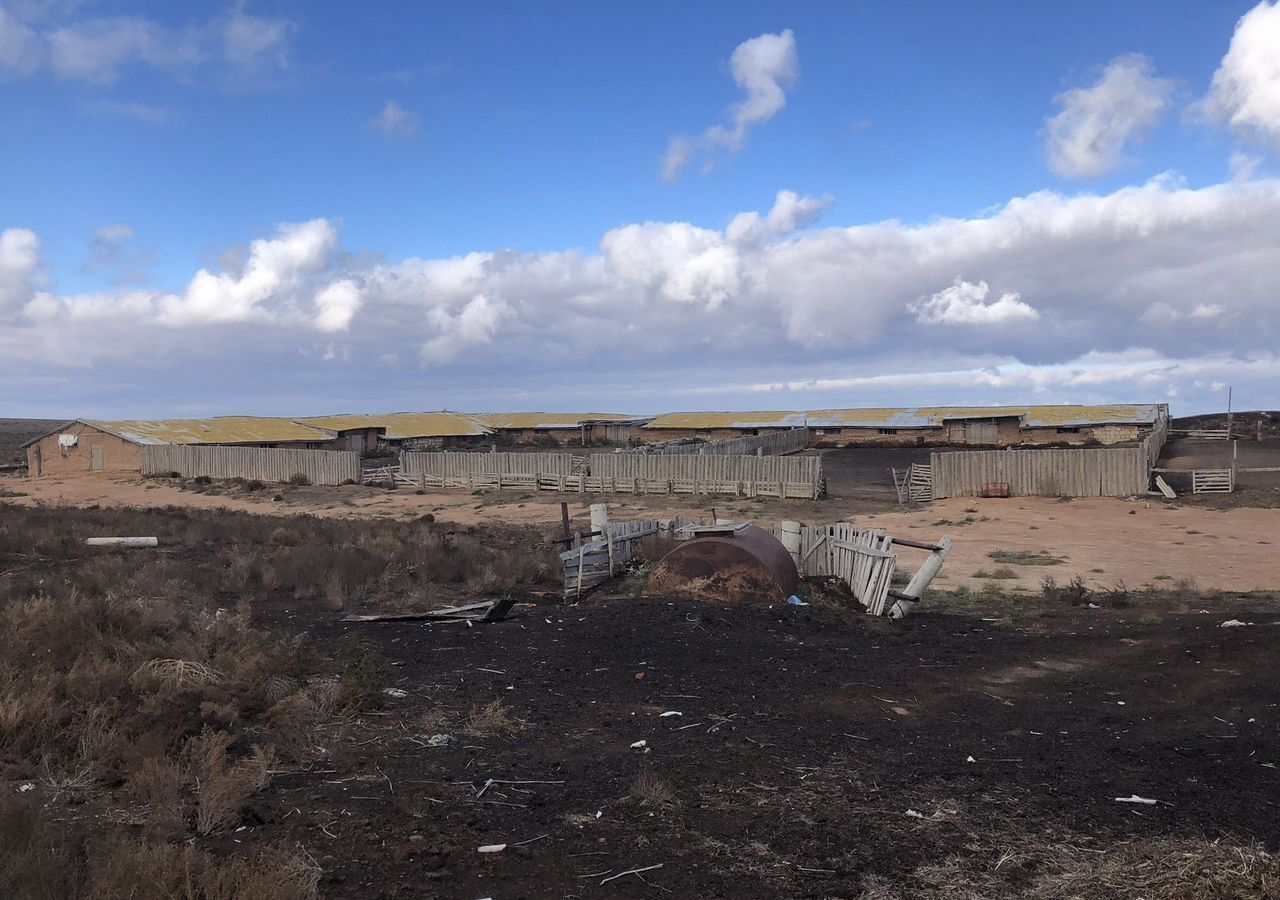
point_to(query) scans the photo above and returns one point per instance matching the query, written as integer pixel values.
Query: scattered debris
(669, 713)
(793, 600)
(398, 693)
(484, 611)
(1234, 623)
(24, 788)
(440, 740)
(123, 542)
(635, 872)
(915, 815)
(1134, 798)
(640, 745)
(971, 759)
(493, 848)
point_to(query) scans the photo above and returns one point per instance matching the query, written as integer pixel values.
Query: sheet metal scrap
(485, 611)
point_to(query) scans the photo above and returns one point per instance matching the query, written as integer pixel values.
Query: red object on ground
(995, 489)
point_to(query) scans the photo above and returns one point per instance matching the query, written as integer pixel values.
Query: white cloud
(1243, 166)
(1245, 93)
(790, 211)
(965, 303)
(100, 49)
(1088, 137)
(279, 272)
(474, 325)
(395, 121)
(763, 67)
(19, 47)
(249, 40)
(1179, 273)
(96, 50)
(19, 266)
(336, 305)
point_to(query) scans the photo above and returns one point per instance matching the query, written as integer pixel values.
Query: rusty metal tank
(727, 565)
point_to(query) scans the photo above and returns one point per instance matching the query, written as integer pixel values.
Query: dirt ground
(1103, 541)
(978, 749)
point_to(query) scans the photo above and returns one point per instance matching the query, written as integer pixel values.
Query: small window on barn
(888, 431)
(1068, 431)
(830, 430)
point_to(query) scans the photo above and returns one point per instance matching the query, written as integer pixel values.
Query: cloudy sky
(288, 208)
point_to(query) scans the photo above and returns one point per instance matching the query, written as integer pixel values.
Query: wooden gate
(1212, 481)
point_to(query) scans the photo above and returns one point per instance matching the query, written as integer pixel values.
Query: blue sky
(466, 206)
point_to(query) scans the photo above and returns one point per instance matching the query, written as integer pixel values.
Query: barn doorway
(95, 459)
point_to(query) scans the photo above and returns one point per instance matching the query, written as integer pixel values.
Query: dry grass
(492, 720)
(649, 789)
(39, 861)
(1042, 870)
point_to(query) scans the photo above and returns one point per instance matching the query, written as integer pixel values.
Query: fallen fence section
(864, 561)
(596, 561)
(777, 443)
(1111, 472)
(277, 465)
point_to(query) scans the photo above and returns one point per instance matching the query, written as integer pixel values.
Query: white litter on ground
(1134, 798)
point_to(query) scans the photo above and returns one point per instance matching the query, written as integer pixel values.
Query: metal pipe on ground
(123, 542)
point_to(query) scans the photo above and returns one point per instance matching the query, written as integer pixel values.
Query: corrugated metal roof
(1061, 416)
(529, 420)
(1058, 416)
(699, 420)
(405, 425)
(219, 430)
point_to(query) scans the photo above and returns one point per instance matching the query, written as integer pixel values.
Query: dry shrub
(1161, 869)
(176, 673)
(222, 787)
(492, 720)
(365, 672)
(295, 718)
(649, 789)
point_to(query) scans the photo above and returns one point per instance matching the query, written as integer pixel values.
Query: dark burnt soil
(815, 747)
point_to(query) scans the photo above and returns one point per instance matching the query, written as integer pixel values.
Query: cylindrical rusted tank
(750, 565)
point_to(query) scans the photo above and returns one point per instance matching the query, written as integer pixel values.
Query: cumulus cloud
(395, 121)
(99, 49)
(472, 326)
(1175, 272)
(1245, 93)
(336, 305)
(1088, 137)
(278, 272)
(19, 265)
(965, 303)
(19, 46)
(764, 68)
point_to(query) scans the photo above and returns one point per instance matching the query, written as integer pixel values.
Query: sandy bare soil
(1105, 542)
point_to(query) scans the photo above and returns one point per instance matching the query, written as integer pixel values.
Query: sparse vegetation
(1025, 557)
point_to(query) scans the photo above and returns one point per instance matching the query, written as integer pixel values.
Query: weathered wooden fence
(777, 443)
(1154, 442)
(263, 464)
(620, 473)
(1110, 472)
(455, 467)
(749, 476)
(594, 562)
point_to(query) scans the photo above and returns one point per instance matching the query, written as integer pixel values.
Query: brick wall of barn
(46, 459)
